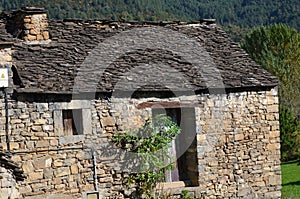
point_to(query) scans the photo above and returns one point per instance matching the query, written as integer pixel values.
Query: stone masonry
(234, 148)
(8, 185)
(237, 134)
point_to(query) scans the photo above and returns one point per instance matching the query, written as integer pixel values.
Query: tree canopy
(243, 13)
(277, 49)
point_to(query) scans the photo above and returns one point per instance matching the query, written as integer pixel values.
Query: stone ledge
(71, 139)
(171, 185)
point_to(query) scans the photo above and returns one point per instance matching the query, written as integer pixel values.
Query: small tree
(151, 142)
(289, 135)
(277, 49)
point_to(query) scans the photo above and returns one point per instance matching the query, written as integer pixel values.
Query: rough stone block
(40, 121)
(74, 169)
(15, 121)
(34, 31)
(272, 108)
(84, 155)
(242, 192)
(29, 144)
(274, 134)
(48, 173)
(25, 189)
(35, 176)
(48, 128)
(50, 196)
(14, 146)
(71, 139)
(274, 180)
(36, 128)
(24, 116)
(273, 146)
(28, 167)
(46, 35)
(53, 142)
(239, 137)
(108, 121)
(273, 195)
(30, 38)
(57, 163)
(29, 26)
(39, 37)
(43, 162)
(42, 143)
(63, 171)
(27, 19)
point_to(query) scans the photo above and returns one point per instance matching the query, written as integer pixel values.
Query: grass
(290, 179)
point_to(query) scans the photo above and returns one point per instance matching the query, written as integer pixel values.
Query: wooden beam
(169, 105)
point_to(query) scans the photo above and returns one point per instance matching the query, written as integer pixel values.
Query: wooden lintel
(168, 105)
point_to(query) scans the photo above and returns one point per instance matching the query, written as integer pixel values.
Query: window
(72, 122)
(72, 118)
(183, 147)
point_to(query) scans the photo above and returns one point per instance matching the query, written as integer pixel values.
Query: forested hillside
(243, 13)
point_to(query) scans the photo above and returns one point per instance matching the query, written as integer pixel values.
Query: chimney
(29, 24)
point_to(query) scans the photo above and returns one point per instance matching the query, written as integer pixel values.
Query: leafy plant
(185, 195)
(277, 49)
(151, 143)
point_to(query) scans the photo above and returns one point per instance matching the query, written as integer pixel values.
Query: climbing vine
(153, 138)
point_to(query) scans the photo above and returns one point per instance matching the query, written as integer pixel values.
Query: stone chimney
(29, 24)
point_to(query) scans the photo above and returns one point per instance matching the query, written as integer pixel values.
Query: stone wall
(240, 156)
(10, 173)
(54, 164)
(238, 141)
(238, 146)
(8, 185)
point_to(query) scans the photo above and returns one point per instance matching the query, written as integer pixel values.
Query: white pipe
(95, 170)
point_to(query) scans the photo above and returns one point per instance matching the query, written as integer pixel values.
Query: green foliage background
(243, 13)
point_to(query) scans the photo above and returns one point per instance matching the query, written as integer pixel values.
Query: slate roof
(53, 67)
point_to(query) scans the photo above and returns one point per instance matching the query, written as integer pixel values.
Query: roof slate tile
(53, 67)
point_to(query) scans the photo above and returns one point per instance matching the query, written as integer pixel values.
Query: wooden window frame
(86, 111)
(72, 122)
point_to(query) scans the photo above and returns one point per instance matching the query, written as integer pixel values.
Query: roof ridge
(162, 23)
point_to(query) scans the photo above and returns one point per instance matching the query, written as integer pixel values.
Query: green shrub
(154, 136)
(289, 135)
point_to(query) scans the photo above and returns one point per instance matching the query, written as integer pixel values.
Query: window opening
(72, 122)
(186, 165)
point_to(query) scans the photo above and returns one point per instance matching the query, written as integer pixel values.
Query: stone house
(68, 86)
